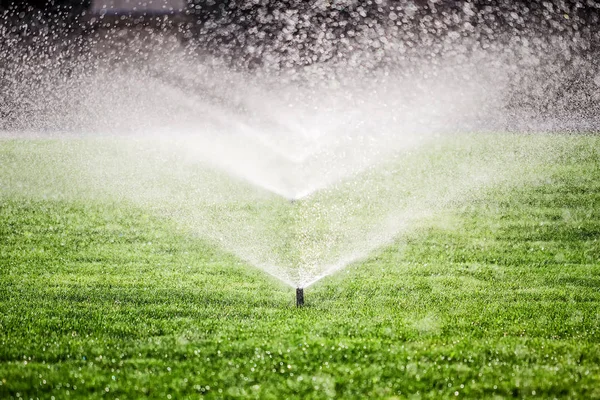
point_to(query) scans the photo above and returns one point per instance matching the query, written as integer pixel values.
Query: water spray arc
(303, 171)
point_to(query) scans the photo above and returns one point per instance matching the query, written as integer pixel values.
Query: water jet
(299, 170)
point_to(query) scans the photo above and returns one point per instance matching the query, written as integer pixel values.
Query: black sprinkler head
(299, 297)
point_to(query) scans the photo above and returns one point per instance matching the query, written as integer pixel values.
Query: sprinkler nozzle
(299, 297)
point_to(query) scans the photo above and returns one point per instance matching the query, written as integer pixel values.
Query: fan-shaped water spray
(305, 149)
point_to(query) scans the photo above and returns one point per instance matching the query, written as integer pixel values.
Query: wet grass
(496, 297)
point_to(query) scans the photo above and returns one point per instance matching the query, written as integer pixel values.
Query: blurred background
(547, 52)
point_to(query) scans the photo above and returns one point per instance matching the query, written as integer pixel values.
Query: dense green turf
(497, 297)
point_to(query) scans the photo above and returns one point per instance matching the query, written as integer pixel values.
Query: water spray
(357, 154)
(299, 297)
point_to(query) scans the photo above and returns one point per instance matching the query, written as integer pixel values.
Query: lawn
(498, 296)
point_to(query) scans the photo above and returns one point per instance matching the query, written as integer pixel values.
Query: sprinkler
(299, 297)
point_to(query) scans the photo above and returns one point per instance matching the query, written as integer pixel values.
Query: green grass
(499, 296)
